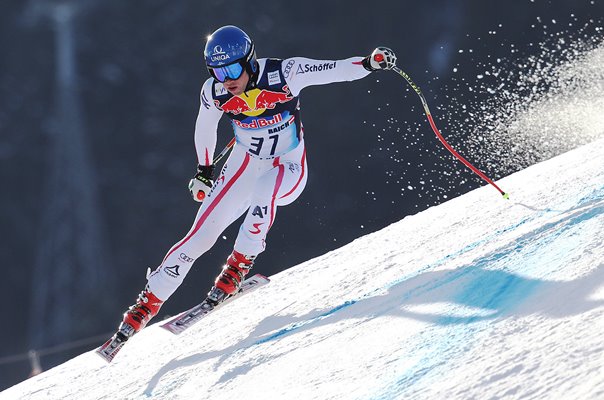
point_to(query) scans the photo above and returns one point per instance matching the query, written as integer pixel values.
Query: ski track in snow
(487, 288)
(499, 290)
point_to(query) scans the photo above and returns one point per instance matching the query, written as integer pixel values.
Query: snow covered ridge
(476, 298)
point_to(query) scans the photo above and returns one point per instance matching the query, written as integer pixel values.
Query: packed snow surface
(479, 297)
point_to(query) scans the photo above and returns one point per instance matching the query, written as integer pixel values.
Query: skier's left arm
(302, 72)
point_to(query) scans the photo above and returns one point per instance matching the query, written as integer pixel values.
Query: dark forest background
(98, 101)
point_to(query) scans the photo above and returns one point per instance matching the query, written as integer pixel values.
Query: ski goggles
(232, 71)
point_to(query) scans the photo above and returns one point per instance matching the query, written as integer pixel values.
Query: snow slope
(476, 298)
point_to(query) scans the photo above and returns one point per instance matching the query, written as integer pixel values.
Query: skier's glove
(380, 58)
(202, 182)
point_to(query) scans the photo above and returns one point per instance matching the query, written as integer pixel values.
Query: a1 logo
(258, 211)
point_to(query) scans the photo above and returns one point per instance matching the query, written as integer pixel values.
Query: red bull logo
(260, 122)
(255, 101)
(235, 105)
(268, 99)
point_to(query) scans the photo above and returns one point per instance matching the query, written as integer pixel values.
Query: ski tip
(106, 357)
(109, 349)
(506, 196)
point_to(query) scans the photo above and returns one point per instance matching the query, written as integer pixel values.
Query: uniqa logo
(219, 54)
(220, 57)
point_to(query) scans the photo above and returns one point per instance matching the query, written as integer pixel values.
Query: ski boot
(229, 280)
(138, 315)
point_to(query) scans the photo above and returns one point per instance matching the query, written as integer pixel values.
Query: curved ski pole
(440, 136)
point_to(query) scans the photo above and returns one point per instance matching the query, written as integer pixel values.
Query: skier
(267, 166)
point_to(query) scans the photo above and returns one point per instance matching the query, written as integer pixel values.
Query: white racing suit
(267, 166)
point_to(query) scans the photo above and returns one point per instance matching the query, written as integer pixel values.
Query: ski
(112, 346)
(181, 322)
(185, 320)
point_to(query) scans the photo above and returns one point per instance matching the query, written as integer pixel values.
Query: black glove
(381, 58)
(202, 182)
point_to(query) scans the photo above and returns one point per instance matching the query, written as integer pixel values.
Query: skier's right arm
(206, 131)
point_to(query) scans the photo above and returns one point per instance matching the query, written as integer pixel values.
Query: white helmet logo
(219, 54)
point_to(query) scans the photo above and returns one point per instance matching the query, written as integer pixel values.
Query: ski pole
(224, 151)
(440, 136)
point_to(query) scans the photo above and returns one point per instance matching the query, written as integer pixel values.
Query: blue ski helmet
(228, 52)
